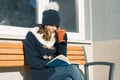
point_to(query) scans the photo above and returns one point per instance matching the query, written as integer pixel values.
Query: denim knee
(68, 78)
(75, 65)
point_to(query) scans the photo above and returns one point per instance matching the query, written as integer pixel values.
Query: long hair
(46, 35)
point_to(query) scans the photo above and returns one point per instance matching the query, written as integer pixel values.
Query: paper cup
(61, 33)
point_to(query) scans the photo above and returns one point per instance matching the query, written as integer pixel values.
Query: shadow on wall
(21, 73)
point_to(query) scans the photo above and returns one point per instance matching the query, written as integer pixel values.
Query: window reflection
(68, 15)
(17, 13)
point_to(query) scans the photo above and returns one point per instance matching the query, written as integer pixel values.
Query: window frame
(20, 32)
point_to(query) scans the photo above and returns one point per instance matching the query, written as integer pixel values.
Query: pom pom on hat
(51, 15)
(52, 6)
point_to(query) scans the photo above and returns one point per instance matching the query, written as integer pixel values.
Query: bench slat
(78, 62)
(75, 52)
(11, 63)
(75, 48)
(11, 57)
(10, 51)
(11, 45)
(76, 57)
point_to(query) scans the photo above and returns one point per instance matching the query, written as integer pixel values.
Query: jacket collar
(49, 44)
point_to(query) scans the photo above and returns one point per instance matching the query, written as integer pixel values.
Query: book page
(60, 60)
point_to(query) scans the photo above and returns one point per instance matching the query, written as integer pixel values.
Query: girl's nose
(54, 27)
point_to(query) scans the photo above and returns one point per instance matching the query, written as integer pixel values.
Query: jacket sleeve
(31, 56)
(61, 48)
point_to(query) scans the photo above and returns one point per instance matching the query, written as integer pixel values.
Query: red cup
(61, 33)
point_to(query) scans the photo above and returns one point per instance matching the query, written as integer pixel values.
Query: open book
(58, 61)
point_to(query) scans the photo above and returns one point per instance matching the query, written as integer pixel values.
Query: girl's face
(52, 29)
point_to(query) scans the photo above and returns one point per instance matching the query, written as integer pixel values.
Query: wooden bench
(11, 55)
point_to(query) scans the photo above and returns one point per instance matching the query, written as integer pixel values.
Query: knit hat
(51, 15)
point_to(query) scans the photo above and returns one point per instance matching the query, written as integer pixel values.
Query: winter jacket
(34, 51)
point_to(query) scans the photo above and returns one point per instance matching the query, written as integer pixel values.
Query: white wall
(106, 51)
(106, 35)
(106, 19)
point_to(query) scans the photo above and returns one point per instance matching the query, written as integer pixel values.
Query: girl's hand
(65, 38)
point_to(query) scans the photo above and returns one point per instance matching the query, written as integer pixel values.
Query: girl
(41, 45)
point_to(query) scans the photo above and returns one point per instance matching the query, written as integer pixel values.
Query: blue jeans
(70, 72)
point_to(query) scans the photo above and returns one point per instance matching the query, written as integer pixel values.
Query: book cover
(58, 61)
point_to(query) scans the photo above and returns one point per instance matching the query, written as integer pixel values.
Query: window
(17, 13)
(15, 17)
(23, 15)
(72, 18)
